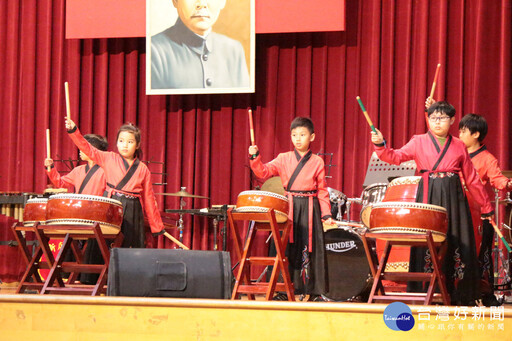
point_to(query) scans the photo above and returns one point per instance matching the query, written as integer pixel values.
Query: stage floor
(24, 317)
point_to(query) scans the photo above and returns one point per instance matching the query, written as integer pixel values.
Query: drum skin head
(365, 215)
(274, 185)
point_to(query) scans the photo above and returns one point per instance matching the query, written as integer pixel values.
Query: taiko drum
(35, 211)
(372, 194)
(80, 209)
(409, 217)
(262, 201)
(403, 188)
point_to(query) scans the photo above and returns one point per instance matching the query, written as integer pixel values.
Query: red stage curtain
(387, 55)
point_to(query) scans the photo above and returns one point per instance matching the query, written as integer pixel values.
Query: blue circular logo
(398, 316)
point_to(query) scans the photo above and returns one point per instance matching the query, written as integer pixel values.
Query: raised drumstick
(68, 107)
(251, 126)
(435, 82)
(48, 147)
(366, 114)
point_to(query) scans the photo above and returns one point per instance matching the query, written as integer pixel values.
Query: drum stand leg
(349, 203)
(243, 283)
(495, 253)
(245, 241)
(340, 202)
(54, 282)
(500, 265)
(379, 270)
(180, 221)
(32, 261)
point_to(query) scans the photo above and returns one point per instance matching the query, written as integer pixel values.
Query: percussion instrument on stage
(274, 185)
(409, 217)
(347, 265)
(338, 203)
(218, 213)
(403, 188)
(507, 231)
(81, 209)
(371, 195)
(35, 211)
(183, 194)
(262, 201)
(12, 203)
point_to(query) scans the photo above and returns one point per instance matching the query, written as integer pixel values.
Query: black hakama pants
(308, 270)
(460, 265)
(92, 255)
(132, 229)
(485, 256)
(133, 222)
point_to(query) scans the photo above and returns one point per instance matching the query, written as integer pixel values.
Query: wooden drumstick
(435, 82)
(366, 114)
(251, 126)
(48, 147)
(500, 235)
(183, 246)
(367, 117)
(346, 223)
(68, 107)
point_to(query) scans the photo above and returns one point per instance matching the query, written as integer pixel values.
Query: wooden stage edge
(27, 317)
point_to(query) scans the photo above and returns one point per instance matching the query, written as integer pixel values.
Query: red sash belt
(426, 174)
(310, 194)
(109, 190)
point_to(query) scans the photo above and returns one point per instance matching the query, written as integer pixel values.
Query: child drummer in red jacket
(83, 179)
(303, 176)
(440, 158)
(128, 180)
(472, 131)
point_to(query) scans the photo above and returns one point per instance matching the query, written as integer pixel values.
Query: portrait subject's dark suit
(181, 59)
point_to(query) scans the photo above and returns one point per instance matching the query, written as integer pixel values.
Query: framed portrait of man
(200, 46)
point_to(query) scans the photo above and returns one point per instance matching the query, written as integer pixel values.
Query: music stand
(382, 172)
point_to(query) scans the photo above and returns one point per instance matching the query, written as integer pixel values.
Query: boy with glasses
(440, 158)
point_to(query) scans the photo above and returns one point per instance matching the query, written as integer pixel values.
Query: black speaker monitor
(169, 273)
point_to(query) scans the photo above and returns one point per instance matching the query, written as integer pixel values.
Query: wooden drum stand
(378, 269)
(407, 224)
(54, 282)
(264, 221)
